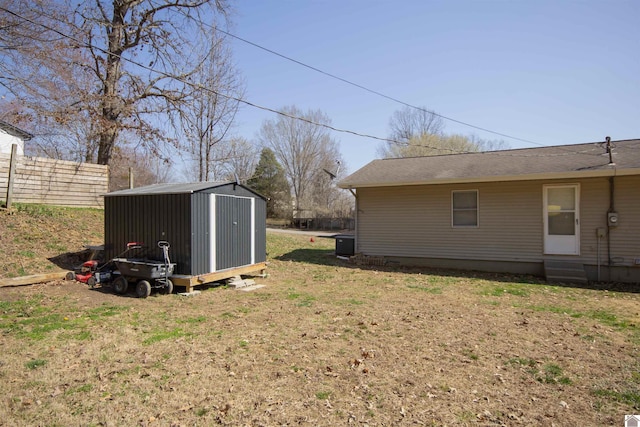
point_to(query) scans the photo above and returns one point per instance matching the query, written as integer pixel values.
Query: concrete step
(557, 271)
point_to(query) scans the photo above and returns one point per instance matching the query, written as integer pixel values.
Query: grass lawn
(324, 343)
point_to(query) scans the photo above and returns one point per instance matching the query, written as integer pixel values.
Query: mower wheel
(143, 289)
(70, 276)
(167, 288)
(120, 285)
(92, 282)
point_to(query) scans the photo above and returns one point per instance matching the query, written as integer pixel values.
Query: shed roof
(175, 188)
(563, 161)
(15, 131)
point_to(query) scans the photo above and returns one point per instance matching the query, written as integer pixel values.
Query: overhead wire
(349, 82)
(278, 112)
(375, 92)
(208, 89)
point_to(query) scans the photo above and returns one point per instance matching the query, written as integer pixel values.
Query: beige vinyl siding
(625, 238)
(594, 203)
(415, 221)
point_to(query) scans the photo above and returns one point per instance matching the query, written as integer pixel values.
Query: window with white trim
(464, 208)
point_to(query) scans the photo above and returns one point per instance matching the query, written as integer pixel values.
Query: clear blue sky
(554, 72)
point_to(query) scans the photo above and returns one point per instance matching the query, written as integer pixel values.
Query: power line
(375, 92)
(234, 98)
(251, 104)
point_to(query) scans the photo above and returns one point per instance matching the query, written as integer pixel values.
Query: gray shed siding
(185, 220)
(147, 219)
(260, 233)
(415, 222)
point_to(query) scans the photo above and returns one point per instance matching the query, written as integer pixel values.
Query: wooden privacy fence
(26, 179)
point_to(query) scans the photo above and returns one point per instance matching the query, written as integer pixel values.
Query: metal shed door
(234, 237)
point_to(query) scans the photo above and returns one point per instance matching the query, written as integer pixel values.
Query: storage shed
(216, 230)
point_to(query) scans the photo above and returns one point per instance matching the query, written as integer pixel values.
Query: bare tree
(119, 64)
(420, 132)
(51, 98)
(410, 122)
(145, 167)
(304, 150)
(207, 116)
(241, 160)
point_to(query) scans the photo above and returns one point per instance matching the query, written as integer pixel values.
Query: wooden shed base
(190, 282)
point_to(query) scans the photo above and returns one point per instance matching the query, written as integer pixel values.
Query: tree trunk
(111, 109)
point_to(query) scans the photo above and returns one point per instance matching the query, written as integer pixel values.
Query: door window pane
(561, 199)
(562, 223)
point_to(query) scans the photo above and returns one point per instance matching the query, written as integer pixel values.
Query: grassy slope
(35, 238)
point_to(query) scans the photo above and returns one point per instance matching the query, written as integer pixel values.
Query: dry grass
(42, 239)
(324, 343)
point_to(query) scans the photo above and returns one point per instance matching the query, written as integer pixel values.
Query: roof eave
(500, 178)
(15, 131)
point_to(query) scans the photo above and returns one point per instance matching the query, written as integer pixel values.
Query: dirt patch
(324, 343)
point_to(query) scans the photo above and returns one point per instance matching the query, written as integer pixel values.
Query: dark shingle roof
(564, 161)
(12, 130)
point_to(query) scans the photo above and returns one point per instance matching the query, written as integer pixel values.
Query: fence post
(12, 174)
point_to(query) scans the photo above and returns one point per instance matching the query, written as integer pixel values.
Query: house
(10, 135)
(569, 212)
(216, 230)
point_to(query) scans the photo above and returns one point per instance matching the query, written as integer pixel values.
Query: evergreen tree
(269, 180)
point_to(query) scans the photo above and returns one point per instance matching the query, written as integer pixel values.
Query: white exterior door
(562, 219)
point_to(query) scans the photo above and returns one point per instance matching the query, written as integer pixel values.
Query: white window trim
(212, 232)
(477, 209)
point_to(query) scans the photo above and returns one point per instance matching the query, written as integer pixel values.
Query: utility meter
(612, 219)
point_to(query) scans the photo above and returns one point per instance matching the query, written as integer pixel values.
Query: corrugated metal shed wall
(261, 230)
(200, 219)
(147, 219)
(183, 220)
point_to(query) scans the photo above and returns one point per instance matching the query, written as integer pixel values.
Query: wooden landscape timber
(32, 279)
(189, 282)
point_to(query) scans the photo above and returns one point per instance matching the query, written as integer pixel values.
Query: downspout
(598, 252)
(612, 184)
(611, 209)
(355, 237)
